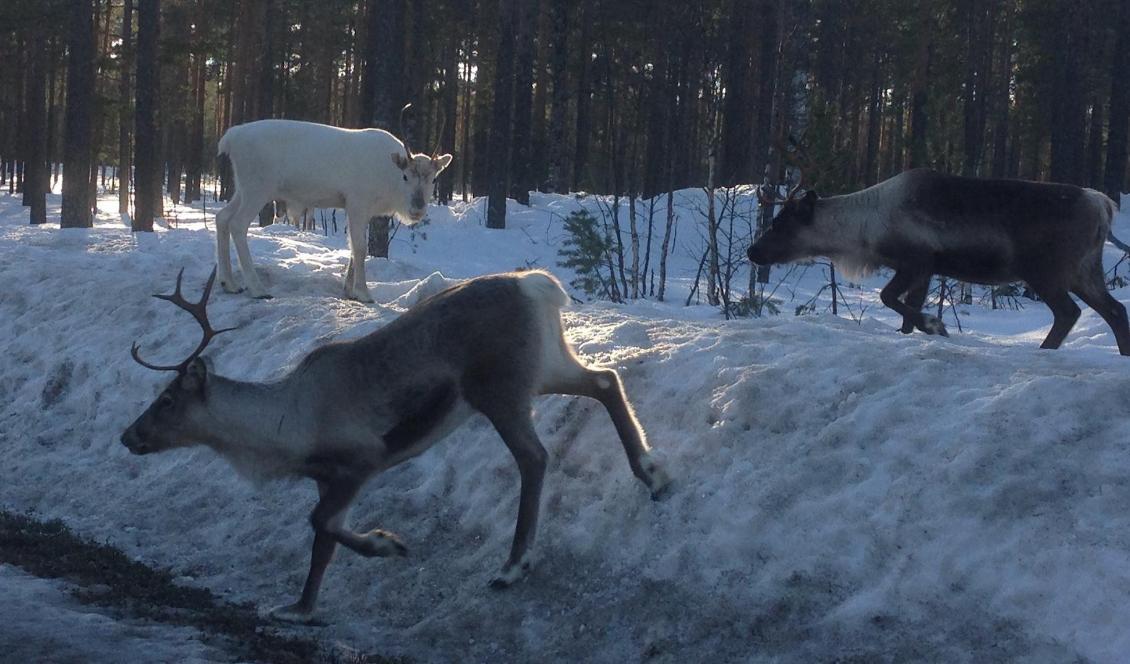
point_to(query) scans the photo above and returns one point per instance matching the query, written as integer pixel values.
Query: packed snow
(841, 490)
(42, 623)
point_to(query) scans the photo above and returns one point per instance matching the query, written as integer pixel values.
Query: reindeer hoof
(933, 325)
(294, 613)
(509, 575)
(229, 288)
(383, 544)
(654, 477)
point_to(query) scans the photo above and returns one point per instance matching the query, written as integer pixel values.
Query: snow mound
(841, 490)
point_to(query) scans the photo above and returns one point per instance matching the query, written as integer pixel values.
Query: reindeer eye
(165, 401)
(405, 177)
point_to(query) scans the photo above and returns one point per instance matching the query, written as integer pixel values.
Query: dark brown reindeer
(351, 409)
(922, 223)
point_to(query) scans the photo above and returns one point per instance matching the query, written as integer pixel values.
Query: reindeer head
(166, 423)
(418, 174)
(792, 235)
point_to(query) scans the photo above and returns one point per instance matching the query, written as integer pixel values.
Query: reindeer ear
(441, 162)
(400, 160)
(196, 375)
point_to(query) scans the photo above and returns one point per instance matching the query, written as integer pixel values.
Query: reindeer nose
(133, 442)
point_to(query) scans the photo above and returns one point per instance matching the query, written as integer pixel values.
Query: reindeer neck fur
(851, 226)
(259, 447)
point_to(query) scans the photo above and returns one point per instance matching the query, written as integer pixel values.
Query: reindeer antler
(439, 135)
(793, 192)
(403, 130)
(199, 312)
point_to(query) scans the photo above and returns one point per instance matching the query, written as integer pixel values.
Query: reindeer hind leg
(1092, 290)
(605, 386)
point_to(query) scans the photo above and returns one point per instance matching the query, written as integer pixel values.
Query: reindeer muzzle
(133, 442)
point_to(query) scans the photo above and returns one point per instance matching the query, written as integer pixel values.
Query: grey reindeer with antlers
(352, 409)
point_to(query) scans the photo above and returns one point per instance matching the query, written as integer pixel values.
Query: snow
(842, 490)
(42, 623)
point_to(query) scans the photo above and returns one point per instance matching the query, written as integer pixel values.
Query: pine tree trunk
(386, 27)
(35, 189)
(737, 137)
(500, 126)
(558, 167)
(1114, 176)
(581, 153)
(450, 113)
(147, 181)
(77, 202)
(124, 108)
(521, 166)
(919, 94)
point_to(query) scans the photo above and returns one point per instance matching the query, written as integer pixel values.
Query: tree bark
(147, 136)
(124, 109)
(77, 202)
(35, 186)
(500, 126)
(558, 169)
(1114, 176)
(583, 123)
(521, 167)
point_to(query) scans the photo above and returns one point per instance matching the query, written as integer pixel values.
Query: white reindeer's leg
(239, 226)
(355, 286)
(223, 244)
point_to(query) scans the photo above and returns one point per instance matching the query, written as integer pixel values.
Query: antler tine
(403, 133)
(176, 292)
(439, 135)
(796, 188)
(199, 311)
(155, 367)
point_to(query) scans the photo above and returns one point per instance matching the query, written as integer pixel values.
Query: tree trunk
(584, 46)
(124, 108)
(35, 187)
(500, 126)
(558, 167)
(147, 136)
(385, 68)
(77, 202)
(521, 167)
(919, 95)
(735, 163)
(450, 113)
(1114, 177)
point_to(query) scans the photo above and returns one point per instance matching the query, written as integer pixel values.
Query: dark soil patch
(107, 577)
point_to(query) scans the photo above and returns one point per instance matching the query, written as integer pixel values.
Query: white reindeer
(351, 409)
(369, 172)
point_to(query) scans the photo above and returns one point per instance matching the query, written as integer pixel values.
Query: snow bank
(42, 623)
(841, 490)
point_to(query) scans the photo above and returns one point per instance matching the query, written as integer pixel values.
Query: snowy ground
(42, 623)
(843, 491)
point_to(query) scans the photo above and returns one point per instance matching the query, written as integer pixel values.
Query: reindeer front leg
(511, 418)
(899, 284)
(327, 519)
(355, 285)
(915, 297)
